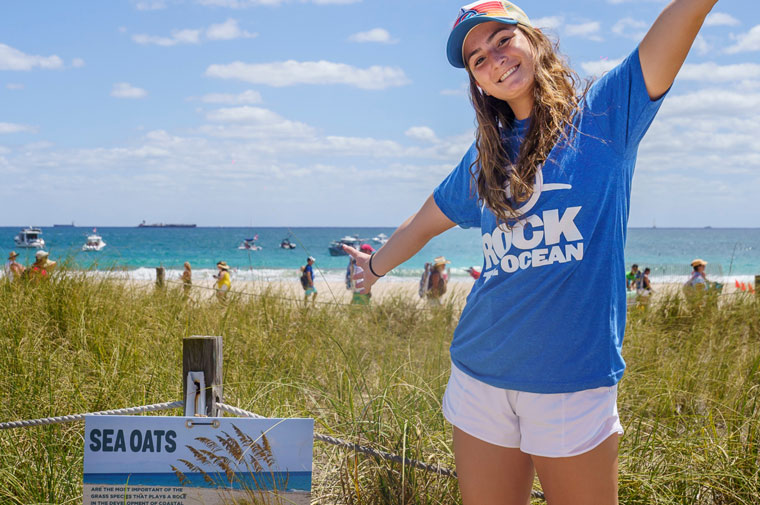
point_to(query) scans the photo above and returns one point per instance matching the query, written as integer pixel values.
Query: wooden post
(160, 276)
(204, 354)
(757, 284)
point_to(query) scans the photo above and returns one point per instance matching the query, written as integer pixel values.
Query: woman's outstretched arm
(665, 46)
(405, 242)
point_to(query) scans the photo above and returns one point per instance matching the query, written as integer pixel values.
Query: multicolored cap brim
(475, 13)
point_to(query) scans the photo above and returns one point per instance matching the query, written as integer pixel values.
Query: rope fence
(80, 417)
(344, 444)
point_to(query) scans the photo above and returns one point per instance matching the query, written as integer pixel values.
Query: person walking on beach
(187, 278)
(12, 269)
(632, 278)
(307, 281)
(223, 282)
(536, 355)
(438, 281)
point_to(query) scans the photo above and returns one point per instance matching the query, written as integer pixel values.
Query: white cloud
(228, 30)
(16, 128)
(13, 59)
(289, 73)
(630, 28)
(701, 45)
(598, 68)
(248, 96)
(422, 133)
(749, 41)
(254, 122)
(150, 5)
(186, 36)
(721, 19)
(379, 35)
(712, 72)
(126, 90)
(77, 63)
(548, 23)
(14, 86)
(589, 30)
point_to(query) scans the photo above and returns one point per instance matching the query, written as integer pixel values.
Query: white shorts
(551, 425)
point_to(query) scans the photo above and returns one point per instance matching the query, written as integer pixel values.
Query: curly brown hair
(556, 101)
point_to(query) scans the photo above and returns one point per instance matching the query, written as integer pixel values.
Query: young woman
(536, 354)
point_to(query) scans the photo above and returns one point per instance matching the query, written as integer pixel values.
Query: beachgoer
(697, 280)
(644, 288)
(536, 355)
(187, 278)
(474, 272)
(223, 281)
(307, 281)
(632, 278)
(13, 270)
(438, 281)
(352, 272)
(41, 267)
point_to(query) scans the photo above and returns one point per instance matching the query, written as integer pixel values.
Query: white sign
(157, 460)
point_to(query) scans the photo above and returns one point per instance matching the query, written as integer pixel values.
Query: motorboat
(336, 246)
(249, 244)
(94, 242)
(287, 244)
(30, 237)
(381, 238)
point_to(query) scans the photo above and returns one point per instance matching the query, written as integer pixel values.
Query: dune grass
(79, 343)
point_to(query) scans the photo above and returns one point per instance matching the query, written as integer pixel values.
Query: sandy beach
(335, 292)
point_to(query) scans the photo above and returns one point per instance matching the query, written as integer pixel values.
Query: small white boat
(94, 242)
(336, 246)
(30, 237)
(287, 244)
(381, 238)
(249, 244)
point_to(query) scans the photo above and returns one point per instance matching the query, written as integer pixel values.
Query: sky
(326, 112)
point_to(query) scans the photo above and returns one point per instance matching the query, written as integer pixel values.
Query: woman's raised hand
(362, 276)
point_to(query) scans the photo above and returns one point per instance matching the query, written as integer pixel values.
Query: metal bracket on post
(202, 355)
(195, 401)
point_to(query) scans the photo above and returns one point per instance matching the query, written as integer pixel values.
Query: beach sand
(335, 292)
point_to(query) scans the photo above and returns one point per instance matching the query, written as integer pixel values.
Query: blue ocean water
(290, 481)
(731, 253)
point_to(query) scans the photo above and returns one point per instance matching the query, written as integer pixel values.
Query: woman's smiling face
(500, 58)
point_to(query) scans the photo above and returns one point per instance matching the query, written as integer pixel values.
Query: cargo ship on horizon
(165, 225)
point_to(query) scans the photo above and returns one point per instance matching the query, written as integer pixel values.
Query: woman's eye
(504, 41)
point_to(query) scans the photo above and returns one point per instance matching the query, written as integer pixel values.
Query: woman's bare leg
(490, 474)
(590, 478)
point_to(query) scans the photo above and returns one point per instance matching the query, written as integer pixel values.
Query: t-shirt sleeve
(621, 106)
(455, 196)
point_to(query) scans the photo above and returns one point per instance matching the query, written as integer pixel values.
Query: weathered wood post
(202, 369)
(757, 285)
(160, 277)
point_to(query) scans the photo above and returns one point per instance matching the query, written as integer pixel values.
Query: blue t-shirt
(547, 314)
(308, 268)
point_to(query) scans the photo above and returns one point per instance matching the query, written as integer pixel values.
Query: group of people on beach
(41, 268)
(223, 283)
